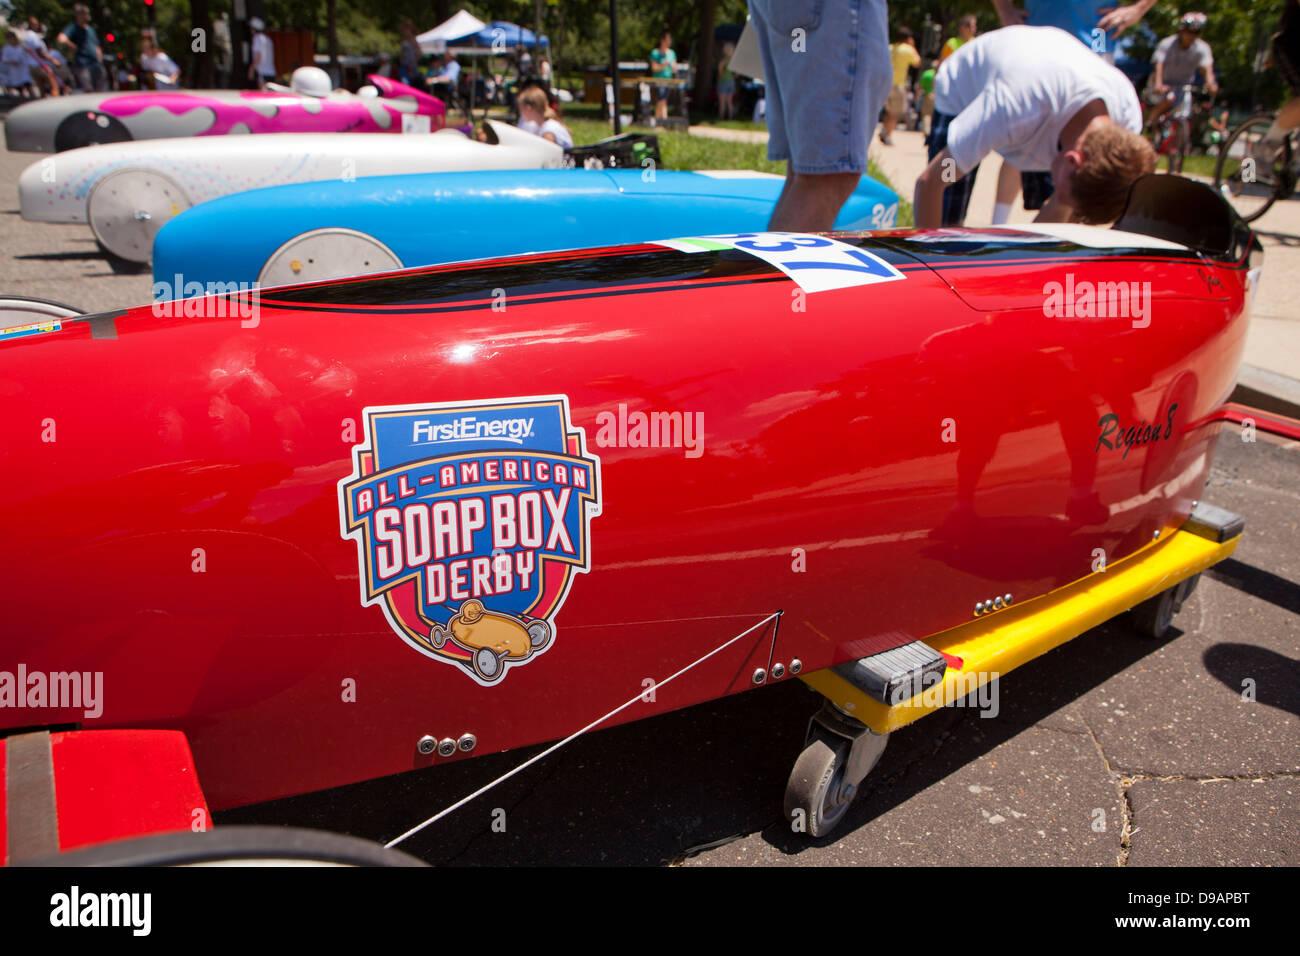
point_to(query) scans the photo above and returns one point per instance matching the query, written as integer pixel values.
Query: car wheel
(126, 209)
(539, 634)
(320, 254)
(813, 797)
(487, 664)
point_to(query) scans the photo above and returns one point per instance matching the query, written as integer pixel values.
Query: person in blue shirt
(445, 84)
(1092, 21)
(88, 61)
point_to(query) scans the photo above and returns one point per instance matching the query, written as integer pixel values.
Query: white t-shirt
(15, 66)
(1012, 91)
(163, 65)
(554, 127)
(262, 44)
(34, 44)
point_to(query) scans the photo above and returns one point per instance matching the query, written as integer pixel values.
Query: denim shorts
(828, 74)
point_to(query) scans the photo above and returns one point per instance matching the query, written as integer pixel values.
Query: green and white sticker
(814, 263)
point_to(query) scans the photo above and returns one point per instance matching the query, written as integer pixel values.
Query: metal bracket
(865, 745)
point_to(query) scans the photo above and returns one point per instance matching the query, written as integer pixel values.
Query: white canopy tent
(463, 24)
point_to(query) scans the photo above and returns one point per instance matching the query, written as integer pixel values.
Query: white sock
(1001, 212)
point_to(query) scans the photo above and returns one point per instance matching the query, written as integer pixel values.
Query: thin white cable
(574, 736)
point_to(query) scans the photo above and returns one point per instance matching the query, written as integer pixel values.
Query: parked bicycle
(1252, 177)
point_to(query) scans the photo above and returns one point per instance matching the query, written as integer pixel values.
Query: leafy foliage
(1238, 30)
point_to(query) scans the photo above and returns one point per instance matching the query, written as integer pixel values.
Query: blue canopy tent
(503, 35)
(497, 38)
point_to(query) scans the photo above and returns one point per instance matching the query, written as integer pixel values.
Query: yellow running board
(994, 645)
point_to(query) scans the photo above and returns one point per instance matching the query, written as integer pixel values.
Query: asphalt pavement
(1109, 751)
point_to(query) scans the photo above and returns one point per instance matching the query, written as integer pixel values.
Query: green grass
(1197, 164)
(681, 150)
(701, 120)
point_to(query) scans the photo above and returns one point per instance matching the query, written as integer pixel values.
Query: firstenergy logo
(469, 428)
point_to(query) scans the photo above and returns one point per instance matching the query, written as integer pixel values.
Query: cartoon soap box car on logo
(470, 521)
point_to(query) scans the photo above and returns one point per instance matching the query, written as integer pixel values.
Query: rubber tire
(816, 773)
(1226, 147)
(1154, 616)
(271, 845)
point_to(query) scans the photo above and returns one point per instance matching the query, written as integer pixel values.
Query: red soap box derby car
(434, 484)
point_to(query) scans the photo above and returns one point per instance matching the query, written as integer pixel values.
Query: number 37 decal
(815, 263)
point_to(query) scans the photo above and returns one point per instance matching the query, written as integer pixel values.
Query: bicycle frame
(1172, 130)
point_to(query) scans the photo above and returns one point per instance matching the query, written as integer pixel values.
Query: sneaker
(886, 140)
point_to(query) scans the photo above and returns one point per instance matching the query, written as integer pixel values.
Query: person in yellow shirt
(965, 33)
(903, 56)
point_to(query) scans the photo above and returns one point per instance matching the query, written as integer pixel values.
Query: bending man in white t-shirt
(1043, 101)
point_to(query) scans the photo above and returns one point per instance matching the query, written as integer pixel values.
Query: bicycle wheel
(1251, 186)
(1178, 138)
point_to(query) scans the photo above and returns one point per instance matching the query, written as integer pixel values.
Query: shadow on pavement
(1281, 238)
(661, 789)
(1273, 678)
(63, 256)
(1257, 582)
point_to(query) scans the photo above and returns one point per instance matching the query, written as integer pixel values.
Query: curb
(1267, 391)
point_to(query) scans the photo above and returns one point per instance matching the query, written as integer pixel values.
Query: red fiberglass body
(438, 502)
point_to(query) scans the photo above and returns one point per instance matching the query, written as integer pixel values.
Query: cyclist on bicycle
(1177, 60)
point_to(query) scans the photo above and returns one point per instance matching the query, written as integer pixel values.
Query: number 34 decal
(815, 263)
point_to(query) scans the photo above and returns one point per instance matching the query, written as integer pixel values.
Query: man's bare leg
(1008, 190)
(1288, 118)
(889, 122)
(810, 203)
(1157, 111)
